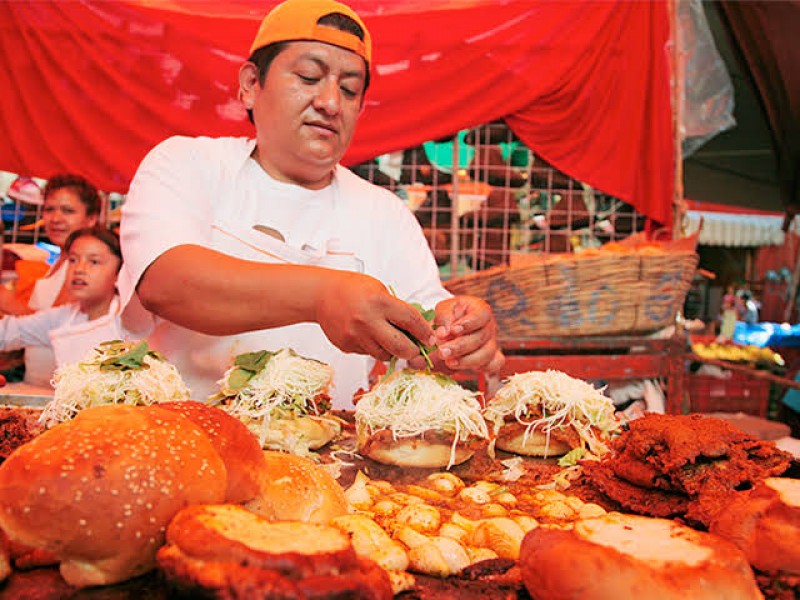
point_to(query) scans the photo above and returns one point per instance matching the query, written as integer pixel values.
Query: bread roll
(98, 491)
(765, 523)
(293, 488)
(225, 551)
(435, 453)
(512, 438)
(627, 556)
(236, 445)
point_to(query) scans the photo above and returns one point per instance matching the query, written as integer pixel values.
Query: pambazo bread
(765, 523)
(226, 551)
(98, 491)
(293, 488)
(629, 556)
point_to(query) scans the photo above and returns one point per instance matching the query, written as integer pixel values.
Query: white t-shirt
(209, 192)
(40, 362)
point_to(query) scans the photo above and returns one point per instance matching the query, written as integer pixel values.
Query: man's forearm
(213, 293)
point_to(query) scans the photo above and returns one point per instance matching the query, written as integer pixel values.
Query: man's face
(306, 111)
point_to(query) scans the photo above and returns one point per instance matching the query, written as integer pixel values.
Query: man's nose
(329, 98)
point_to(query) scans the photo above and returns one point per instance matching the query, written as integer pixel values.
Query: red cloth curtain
(90, 86)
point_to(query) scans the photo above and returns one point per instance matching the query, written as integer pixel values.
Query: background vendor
(241, 245)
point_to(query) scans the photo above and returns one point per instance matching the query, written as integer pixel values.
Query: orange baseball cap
(295, 20)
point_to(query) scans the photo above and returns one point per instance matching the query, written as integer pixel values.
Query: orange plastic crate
(739, 393)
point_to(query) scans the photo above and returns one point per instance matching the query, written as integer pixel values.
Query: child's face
(92, 272)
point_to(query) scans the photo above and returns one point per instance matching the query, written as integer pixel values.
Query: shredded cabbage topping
(114, 372)
(264, 386)
(409, 403)
(548, 400)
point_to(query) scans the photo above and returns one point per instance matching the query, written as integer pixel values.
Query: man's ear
(248, 81)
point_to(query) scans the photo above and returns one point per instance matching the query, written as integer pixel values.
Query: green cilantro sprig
(425, 351)
(122, 357)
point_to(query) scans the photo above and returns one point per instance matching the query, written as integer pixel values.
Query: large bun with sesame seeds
(98, 491)
(237, 446)
(294, 488)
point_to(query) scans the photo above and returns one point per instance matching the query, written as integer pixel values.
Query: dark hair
(263, 57)
(104, 234)
(85, 191)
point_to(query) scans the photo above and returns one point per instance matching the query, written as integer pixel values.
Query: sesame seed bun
(99, 491)
(236, 445)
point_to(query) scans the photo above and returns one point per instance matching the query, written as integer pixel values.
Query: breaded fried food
(683, 466)
(689, 453)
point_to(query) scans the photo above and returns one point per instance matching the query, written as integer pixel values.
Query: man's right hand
(359, 315)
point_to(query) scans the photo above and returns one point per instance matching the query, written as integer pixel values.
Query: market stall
(426, 489)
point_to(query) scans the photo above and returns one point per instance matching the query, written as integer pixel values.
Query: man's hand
(466, 334)
(358, 314)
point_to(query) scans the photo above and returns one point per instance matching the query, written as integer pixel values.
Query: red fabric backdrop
(90, 86)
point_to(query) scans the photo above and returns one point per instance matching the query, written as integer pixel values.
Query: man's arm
(217, 294)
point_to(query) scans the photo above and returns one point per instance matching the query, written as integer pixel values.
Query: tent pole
(455, 232)
(678, 204)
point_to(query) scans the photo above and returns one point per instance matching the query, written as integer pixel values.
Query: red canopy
(90, 86)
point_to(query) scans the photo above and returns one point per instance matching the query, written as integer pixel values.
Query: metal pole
(678, 90)
(454, 217)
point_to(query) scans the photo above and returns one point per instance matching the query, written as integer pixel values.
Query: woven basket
(566, 294)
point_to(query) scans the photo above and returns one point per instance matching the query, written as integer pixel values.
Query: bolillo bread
(765, 523)
(98, 491)
(293, 488)
(226, 551)
(629, 556)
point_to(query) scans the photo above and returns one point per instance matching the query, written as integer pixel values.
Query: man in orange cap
(243, 245)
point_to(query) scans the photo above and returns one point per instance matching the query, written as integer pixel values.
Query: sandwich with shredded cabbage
(283, 399)
(419, 419)
(549, 414)
(114, 372)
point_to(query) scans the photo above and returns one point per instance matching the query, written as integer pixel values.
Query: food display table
(606, 358)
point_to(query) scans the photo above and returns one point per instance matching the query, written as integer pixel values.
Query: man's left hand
(466, 335)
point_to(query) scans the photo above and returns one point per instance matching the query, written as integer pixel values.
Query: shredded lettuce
(410, 403)
(262, 387)
(114, 372)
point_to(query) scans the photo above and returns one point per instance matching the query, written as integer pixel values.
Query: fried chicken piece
(18, 425)
(683, 466)
(634, 498)
(693, 454)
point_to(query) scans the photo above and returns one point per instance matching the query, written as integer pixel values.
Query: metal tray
(24, 400)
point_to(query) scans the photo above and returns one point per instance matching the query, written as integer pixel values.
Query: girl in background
(93, 259)
(70, 203)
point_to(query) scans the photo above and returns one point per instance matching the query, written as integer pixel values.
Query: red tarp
(90, 86)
